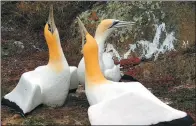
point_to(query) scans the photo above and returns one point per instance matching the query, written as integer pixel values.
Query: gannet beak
(83, 31)
(51, 22)
(119, 24)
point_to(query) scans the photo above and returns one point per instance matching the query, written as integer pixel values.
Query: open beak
(83, 31)
(119, 24)
(51, 22)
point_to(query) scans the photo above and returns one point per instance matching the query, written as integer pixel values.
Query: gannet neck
(101, 42)
(92, 68)
(56, 56)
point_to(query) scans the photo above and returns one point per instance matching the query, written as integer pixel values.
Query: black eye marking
(114, 23)
(50, 27)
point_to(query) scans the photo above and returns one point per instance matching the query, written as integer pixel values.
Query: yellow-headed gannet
(122, 103)
(109, 69)
(47, 84)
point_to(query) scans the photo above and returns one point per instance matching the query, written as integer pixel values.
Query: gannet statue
(74, 82)
(122, 103)
(108, 68)
(47, 84)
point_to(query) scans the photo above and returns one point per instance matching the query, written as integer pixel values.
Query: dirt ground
(73, 112)
(75, 109)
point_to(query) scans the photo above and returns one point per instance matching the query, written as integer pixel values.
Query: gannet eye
(49, 28)
(113, 24)
(83, 42)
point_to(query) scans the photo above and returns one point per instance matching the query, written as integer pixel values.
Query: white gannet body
(47, 84)
(74, 82)
(108, 68)
(122, 103)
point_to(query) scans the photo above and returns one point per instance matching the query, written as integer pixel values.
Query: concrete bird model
(47, 84)
(74, 82)
(109, 69)
(122, 103)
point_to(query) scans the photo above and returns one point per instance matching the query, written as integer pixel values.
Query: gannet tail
(24, 97)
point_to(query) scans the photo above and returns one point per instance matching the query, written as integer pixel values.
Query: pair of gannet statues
(111, 102)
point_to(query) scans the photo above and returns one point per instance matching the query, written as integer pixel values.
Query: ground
(74, 111)
(171, 77)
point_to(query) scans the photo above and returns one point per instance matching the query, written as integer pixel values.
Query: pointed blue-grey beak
(119, 24)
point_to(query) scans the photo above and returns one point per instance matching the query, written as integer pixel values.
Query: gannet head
(52, 38)
(89, 44)
(106, 26)
(50, 30)
(90, 51)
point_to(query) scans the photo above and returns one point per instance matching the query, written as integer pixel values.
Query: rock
(36, 48)
(16, 116)
(4, 52)
(19, 44)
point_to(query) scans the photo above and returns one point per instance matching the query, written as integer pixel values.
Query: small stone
(16, 116)
(19, 44)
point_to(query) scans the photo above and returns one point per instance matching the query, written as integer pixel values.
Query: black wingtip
(128, 78)
(13, 105)
(185, 121)
(73, 90)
